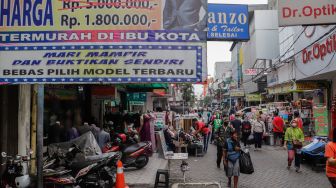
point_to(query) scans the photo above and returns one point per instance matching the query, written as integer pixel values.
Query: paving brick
(270, 171)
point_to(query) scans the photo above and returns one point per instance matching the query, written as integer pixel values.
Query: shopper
(298, 119)
(258, 129)
(201, 128)
(236, 123)
(278, 128)
(294, 139)
(330, 154)
(231, 159)
(103, 137)
(221, 135)
(246, 129)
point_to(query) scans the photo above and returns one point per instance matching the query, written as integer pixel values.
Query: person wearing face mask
(293, 143)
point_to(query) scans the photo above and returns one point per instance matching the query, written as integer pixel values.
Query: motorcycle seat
(134, 147)
(88, 160)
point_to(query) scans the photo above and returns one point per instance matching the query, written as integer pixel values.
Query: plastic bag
(245, 162)
(250, 139)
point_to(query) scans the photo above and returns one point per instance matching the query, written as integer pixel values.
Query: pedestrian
(278, 128)
(221, 135)
(294, 139)
(72, 133)
(298, 119)
(236, 124)
(201, 128)
(258, 129)
(103, 137)
(84, 128)
(330, 154)
(246, 129)
(231, 159)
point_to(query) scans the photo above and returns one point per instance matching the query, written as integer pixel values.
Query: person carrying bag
(231, 159)
(294, 139)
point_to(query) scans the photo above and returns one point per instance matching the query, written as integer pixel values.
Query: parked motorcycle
(94, 171)
(134, 155)
(14, 175)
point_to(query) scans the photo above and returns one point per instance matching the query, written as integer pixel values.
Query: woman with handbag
(294, 139)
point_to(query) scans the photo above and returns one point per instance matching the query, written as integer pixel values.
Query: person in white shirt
(258, 129)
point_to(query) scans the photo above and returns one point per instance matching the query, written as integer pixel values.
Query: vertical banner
(321, 120)
(102, 41)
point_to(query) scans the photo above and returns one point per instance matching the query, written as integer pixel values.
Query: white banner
(308, 12)
(104, 63)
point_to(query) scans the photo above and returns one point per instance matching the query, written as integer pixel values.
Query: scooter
(134, 155)
(14, 175)
(94, 171)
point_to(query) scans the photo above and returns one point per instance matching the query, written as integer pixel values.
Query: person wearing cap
(221, 135)
(294, 139)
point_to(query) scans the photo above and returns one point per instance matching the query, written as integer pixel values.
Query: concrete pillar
(24, 119)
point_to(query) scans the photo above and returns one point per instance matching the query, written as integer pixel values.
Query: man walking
(278, 128)
(222, 134)
(236, 124)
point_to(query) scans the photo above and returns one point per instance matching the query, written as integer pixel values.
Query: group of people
(226, 131)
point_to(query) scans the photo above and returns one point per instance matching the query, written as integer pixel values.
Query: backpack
(246, 127)
(233, 155)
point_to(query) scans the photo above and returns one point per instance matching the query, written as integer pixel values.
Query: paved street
(270, 171)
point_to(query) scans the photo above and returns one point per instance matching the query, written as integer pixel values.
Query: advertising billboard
(228, 22)
(308, 12)
(96, 41)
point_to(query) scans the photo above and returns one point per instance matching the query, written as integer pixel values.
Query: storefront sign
(308, 12)
(321, 120)
(137, 97)
(250, 72)
(137, 103)
(286, 88)
(237, 93)
(307, 86)
(97, 41)
(253, 97)
(319, 50)
(160, 120)
(228, 22)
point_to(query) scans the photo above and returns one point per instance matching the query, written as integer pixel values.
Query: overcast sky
(220, 51)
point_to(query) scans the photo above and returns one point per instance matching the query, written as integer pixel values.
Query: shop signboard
(250, 72)
(160, 120)
(96, 41)
(228, 22)
(321, 120)
(137, 97)
(308, 12)
(253, 97)
(237, 93)
(137, 103)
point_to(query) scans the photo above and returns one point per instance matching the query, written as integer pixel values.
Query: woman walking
(246, 130)
(293, 143)
(258, 129)
(231, 159)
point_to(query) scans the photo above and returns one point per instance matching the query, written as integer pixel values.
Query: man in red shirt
(201, 128)
(278, 128)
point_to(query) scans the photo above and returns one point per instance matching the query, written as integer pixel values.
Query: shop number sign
(321, 120)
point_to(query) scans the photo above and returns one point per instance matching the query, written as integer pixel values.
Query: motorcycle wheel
(141, 161)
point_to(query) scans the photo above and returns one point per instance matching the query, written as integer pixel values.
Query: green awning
(144, 87)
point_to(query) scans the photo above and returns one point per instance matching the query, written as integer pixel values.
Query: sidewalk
(145, 178)
(270, 171)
